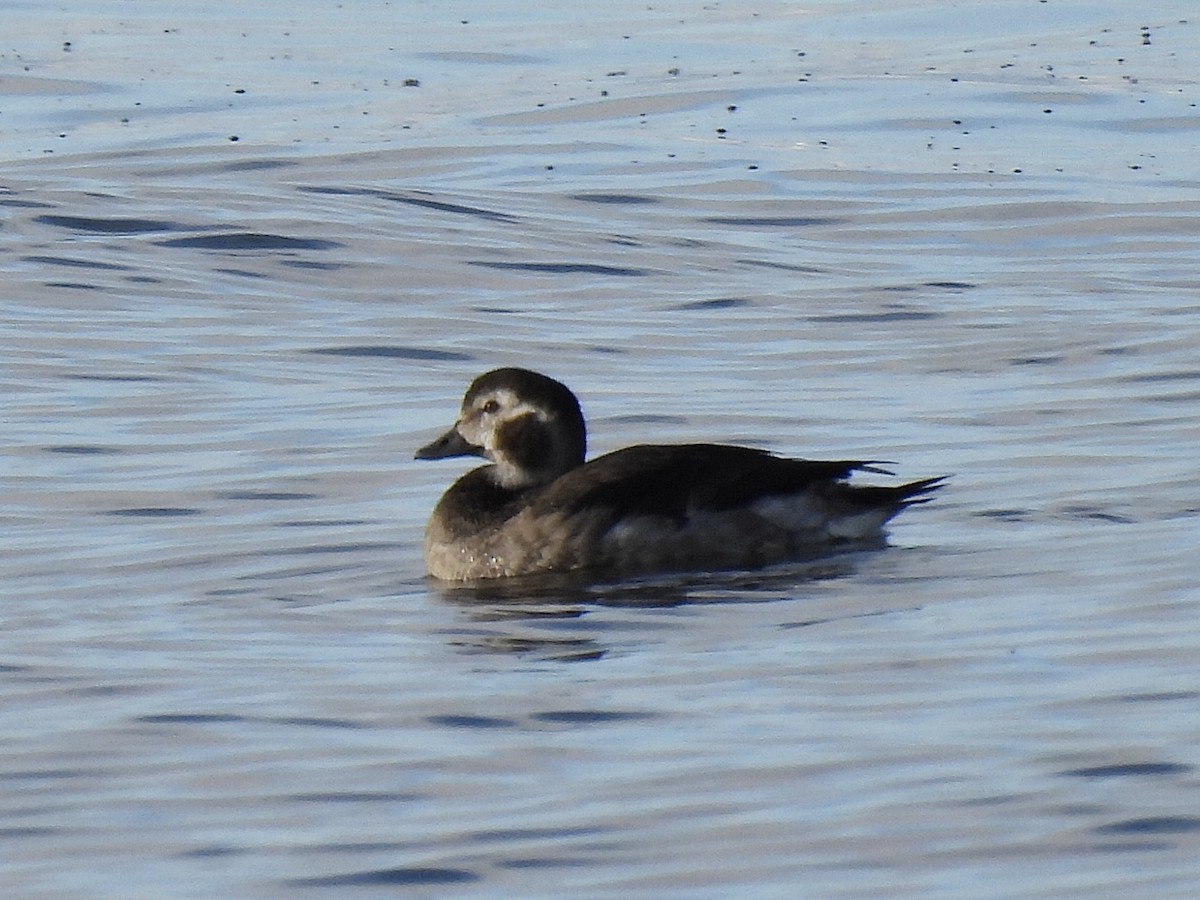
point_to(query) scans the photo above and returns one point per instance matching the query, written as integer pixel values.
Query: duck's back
(660, 508)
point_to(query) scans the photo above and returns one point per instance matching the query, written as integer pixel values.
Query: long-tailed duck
(539, 507)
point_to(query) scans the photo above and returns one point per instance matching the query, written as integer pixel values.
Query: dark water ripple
(76, 263)
(590, 716)
(260, 165)
(780, 266)
(772, 221)
(715, 304)
(463, 721)
(312, 264)
(190, 719)
(111, 377)
(879, 317)
(424, 202)
(1152, 825)
(1126, 770)
(156, 512)
(616, 199)
(561, 268)
(74, 286)
(414, 876)
(235, 241)
(82, 450)
(391, 352)
(95, 225)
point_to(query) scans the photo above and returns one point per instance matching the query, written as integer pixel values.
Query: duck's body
(647, 508)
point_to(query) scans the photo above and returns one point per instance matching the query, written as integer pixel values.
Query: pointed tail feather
(890, 501)
(917, 491)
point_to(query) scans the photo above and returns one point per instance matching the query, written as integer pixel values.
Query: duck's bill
(449, 444)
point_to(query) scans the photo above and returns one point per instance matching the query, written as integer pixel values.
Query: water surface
(961, 238)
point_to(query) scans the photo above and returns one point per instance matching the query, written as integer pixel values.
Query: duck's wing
(678, 480)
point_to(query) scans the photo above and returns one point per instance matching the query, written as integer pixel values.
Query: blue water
(221, 668)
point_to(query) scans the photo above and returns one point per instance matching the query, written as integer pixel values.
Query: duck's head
(529, 425)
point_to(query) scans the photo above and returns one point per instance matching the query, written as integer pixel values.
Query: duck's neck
(532, 452)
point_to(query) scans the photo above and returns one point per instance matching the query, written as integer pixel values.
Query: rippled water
(966, 238)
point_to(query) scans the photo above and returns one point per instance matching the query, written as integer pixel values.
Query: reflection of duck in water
(649, 508)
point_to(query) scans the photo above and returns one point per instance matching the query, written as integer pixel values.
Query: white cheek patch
(506, 398)
(479, 428)
(514, 408)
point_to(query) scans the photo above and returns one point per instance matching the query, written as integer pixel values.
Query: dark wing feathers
(673, 480)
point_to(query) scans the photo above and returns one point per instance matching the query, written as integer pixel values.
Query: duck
(538, 506)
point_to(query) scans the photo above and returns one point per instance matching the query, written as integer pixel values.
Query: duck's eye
(491, 407)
